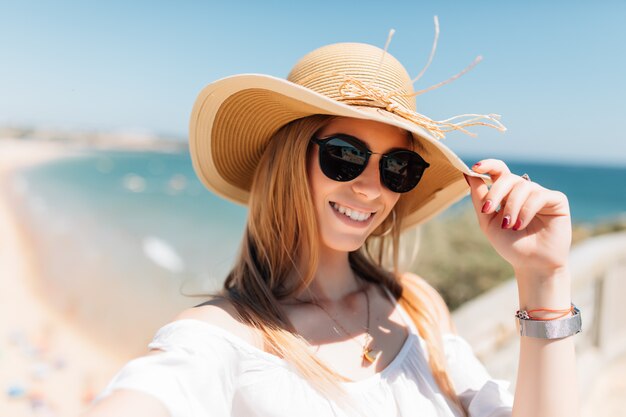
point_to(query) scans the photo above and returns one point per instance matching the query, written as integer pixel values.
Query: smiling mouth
(359, 216)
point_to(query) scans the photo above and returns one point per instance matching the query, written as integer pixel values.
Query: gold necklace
(367, 352)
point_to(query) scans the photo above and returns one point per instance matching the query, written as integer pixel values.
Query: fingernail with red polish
(486, 206)
(517, 224)
(506, 221)
(476, 165)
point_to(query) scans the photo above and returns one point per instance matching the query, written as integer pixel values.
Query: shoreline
(47, 363)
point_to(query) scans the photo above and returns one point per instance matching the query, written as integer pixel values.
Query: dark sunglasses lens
(340, 160)
(402, 170)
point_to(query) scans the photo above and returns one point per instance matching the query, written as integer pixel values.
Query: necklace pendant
(368, 356)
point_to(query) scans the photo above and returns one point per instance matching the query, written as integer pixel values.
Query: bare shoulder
(418, 287)
(222, 313)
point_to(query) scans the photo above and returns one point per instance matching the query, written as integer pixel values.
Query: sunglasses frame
(361, 146)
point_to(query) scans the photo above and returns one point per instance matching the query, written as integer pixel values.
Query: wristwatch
(549, 329)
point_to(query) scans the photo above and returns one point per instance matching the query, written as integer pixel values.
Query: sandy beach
(48, 368)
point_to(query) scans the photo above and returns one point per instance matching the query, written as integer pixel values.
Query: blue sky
(555, 70)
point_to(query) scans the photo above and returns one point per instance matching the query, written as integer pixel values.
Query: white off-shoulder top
(206, 371)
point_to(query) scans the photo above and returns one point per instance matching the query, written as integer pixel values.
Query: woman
(334, 164)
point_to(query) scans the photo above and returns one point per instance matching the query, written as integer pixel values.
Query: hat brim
(233, 119)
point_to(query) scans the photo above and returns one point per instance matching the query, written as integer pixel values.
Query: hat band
(360, 93)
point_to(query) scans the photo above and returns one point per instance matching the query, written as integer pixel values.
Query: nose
(368, 183)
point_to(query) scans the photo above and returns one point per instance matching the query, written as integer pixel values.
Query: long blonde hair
(273, 240)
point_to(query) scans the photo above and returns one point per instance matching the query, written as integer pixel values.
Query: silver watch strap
(551, 329)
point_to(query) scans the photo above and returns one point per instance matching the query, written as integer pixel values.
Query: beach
(49, 367)
(84, 282)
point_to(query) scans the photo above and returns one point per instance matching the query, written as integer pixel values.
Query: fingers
(512, 200)
(495, 168)
(520, 204)
(500, 192)
(534, 202)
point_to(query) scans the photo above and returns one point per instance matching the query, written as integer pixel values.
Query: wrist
(531, 273)
(549, 329)
(544, 288)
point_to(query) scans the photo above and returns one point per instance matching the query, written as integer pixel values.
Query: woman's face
(365, 195)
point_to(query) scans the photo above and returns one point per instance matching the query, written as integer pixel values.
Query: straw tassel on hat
(234, 118)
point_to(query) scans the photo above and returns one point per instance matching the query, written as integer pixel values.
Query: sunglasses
(343, 158)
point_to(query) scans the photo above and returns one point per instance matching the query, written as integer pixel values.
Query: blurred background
(105, 232)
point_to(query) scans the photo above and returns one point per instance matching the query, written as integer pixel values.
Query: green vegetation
(457, 259)
(583, 231)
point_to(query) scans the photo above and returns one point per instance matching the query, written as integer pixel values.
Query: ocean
(154, 198)
(595, 193)
(136, 227)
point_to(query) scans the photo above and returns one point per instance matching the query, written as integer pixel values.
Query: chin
(342, 242)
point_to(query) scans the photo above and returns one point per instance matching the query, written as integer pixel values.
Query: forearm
(546, 382)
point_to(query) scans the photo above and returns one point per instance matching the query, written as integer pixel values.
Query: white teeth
(353, 214)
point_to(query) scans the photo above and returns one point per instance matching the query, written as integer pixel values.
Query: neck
(334, 280)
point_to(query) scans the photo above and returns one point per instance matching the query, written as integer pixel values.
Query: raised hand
(532, 227)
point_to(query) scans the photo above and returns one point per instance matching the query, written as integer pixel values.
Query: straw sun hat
(234, 118)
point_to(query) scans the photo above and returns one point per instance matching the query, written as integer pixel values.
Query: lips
(351, 213)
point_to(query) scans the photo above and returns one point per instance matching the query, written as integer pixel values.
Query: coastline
(48, 364)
